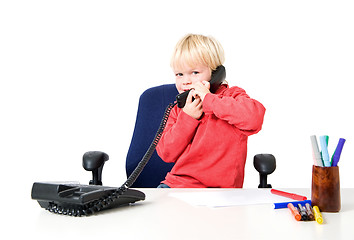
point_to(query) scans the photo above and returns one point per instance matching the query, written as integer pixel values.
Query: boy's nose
(187, 80)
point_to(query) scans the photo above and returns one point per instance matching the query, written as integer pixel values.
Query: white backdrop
(72, 71)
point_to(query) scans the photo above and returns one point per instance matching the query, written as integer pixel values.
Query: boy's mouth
(186, 90)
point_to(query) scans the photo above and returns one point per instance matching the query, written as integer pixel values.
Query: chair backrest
(152, 105)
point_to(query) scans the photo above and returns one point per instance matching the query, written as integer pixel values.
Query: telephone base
(77, 200)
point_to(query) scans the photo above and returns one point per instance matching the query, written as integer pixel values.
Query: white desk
(162, 216)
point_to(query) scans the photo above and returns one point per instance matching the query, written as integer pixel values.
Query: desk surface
(162, 216)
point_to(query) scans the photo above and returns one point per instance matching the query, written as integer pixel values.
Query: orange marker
(294, 211)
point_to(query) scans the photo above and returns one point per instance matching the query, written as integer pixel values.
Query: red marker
(288, 195)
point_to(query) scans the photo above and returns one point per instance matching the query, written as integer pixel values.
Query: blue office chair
(152, 105)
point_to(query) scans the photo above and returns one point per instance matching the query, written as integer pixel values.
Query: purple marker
(337, 152)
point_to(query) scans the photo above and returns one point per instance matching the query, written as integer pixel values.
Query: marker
(324, 150)
(309, 212)
(316, 152)
(303, 213)
(318, 215)
(294, 211)
(338, 152)
(285, 204)
(288, 195)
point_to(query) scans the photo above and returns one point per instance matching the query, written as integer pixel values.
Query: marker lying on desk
(337, 152)
(303, 212)
(309, 212)
(288, 195)
(318, 215)
(294, 211)
(285, 204)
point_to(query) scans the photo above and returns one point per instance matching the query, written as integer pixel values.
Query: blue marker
(285, 204)
(337, 152)
(325, 155)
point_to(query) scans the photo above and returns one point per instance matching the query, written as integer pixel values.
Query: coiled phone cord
(135, 174)
(104, 202)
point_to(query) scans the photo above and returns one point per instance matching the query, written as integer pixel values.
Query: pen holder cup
(325, 190)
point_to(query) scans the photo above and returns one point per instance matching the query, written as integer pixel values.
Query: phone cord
(104, 202)
(135, 174)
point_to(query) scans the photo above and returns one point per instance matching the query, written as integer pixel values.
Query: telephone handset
(217, 77)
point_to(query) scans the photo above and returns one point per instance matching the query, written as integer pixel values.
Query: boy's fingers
(190, 96)
(206, 84)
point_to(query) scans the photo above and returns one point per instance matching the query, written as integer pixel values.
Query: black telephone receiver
(217, 77)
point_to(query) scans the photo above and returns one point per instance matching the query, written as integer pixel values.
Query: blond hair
(195, 49)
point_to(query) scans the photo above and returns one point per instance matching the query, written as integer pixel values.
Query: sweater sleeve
(179, 132)
(237, 108)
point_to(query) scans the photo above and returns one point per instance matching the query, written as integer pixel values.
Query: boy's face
(187, 75)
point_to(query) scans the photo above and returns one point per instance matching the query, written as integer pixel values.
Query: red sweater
(211, 152)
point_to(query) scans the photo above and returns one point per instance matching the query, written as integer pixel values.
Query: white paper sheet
(233, 197)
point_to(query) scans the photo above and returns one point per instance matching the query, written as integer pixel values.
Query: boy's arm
(178, 133)
(237, 109)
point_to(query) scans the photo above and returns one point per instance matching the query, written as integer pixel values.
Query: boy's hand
(201, 89)
(193, 108)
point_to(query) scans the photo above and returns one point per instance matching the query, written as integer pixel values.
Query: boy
(207, 138)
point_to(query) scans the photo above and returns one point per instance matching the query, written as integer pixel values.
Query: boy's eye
(195, 72)
(179, 74)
